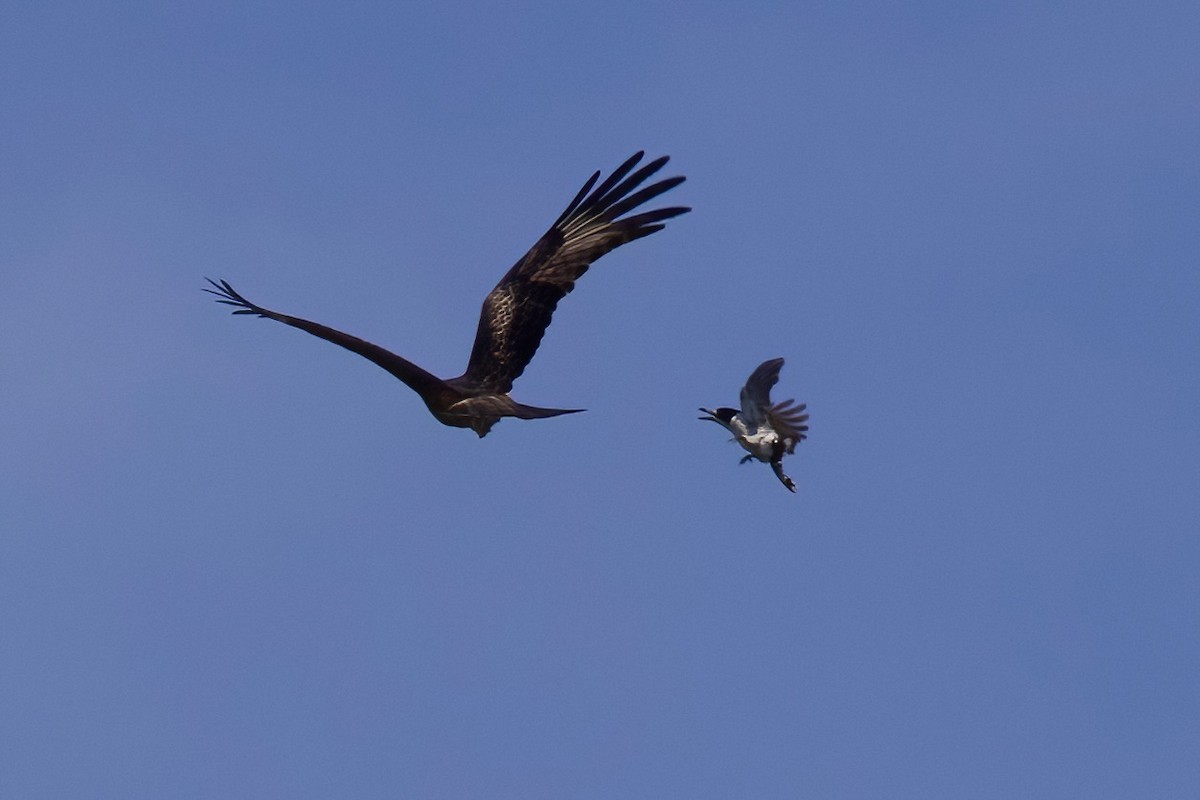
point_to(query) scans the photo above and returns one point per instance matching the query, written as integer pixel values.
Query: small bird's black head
(721, 415)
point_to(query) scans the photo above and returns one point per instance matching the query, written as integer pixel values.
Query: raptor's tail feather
(521, 411)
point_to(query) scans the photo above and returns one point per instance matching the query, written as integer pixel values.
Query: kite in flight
(517, 312)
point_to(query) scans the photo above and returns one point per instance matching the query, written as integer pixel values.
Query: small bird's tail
(777, 466)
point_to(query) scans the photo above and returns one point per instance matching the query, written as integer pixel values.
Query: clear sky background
(239, 562)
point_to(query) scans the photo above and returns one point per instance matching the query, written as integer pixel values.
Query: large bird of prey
(516, 313)
(766, 431)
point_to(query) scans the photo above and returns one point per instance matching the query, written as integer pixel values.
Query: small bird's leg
(745, 459)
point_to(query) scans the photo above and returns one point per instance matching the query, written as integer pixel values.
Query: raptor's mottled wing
(516, 313)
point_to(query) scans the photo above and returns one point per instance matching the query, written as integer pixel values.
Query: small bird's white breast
(759, 442)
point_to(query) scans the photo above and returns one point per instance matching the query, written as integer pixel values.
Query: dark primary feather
(230, 297)
(756, 394)
(516, 313)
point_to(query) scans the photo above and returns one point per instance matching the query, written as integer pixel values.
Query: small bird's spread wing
(790, 422)
(756, 394)
(516, 313)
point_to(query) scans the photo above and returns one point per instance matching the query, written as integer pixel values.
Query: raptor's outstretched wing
(516, 313)
(416, 378)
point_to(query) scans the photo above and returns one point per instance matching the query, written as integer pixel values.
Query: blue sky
(236, 561)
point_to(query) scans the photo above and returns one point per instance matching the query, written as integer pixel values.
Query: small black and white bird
(517, 312)
(767, 432)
